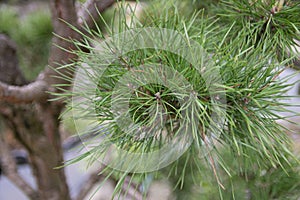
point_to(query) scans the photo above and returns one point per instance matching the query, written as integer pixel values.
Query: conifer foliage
(217, 94)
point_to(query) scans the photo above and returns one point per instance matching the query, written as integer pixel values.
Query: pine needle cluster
(247, 42)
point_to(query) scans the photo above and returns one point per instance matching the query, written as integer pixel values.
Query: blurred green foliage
(32, 33)
(8, 20)
(253, 183)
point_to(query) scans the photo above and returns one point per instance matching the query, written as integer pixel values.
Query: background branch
(63, 14)
(88, 11)
(35, 91)
(9, 168)
(90, 183)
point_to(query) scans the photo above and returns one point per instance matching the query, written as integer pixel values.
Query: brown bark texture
(25, 107)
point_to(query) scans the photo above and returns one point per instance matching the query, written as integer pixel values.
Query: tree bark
(26, 109)
(35, 126)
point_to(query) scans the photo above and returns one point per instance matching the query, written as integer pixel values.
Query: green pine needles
(171, 90)
(274, 21)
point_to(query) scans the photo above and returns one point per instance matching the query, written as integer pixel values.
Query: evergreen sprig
(243, 53)
(274, 23)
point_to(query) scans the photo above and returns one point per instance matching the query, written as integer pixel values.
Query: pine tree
(190, 91)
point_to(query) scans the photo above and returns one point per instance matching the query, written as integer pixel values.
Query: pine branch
(243, 56)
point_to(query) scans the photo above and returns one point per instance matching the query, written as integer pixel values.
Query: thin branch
(296, 49)
(35, 91)
(212, 161)
(92, 180)
(9, 167)
(130, 190)
(90, 9)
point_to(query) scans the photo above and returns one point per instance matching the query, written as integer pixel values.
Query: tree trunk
(35, 126)
(25, 107)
